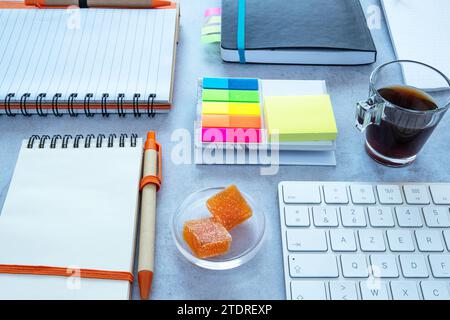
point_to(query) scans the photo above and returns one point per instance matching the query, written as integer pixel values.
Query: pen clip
(159, 173)
(157, 178)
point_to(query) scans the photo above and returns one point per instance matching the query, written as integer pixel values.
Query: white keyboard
(365, 241)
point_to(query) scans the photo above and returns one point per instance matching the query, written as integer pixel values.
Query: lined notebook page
(87, 51)
(74, 208)
(419, 31)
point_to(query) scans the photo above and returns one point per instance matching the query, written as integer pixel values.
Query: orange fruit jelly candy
(206, 237)
(229, 207)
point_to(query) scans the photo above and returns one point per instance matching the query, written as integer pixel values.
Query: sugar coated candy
(229, 207)
(206, 237)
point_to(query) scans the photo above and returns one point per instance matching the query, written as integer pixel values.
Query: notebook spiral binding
(68, 141)
(25, 102)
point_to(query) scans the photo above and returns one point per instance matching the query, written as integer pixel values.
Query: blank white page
(114, 51)
(419, 31)
(74, 208)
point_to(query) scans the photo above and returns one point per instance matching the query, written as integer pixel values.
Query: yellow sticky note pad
(250, 109)
(300, 118)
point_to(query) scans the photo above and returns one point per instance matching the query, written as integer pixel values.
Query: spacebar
(313, 266)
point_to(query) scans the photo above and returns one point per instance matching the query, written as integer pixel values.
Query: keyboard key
(313, 266)
(400, 240)
(416, 194)
(435, 290)
(371, 241)
(440, 194)
(296, 216)
(306, 240)
(343, 240)
(308, 290)
(373, 291)
(447, 238)
(301, 193)
(381, 217)
(437, 217)
(414, 266)
(408, 217)
(343, 290)
(429, 240)
(353, 217)
(404, 290)
(354, 266)
(325, 217)
(440, 265)
(384, 266)
(362, 194)
(335, 194)
(389, 194)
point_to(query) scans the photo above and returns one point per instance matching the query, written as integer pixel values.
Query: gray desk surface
(261, 278)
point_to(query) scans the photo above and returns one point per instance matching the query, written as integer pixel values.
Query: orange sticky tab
(231, 121)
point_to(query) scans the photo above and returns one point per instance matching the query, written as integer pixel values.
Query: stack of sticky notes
(299, 118)
(231, 110)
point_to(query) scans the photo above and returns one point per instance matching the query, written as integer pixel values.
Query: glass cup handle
(367, 113)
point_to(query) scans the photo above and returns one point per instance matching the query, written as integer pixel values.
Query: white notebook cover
(74, 208)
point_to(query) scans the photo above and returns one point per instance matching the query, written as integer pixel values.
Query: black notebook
(324, 32)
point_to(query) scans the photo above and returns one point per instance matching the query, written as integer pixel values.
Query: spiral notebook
(87, 61)
(71, 211)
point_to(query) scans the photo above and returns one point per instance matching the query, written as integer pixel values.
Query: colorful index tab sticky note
(231, 84)
(227, 121)
(211, 38)
(300, 118)
(230, 95)
(237, 108)
(232, 135)
(211, 30)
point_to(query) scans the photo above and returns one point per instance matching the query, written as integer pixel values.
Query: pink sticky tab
(233, 135)
(213, 12)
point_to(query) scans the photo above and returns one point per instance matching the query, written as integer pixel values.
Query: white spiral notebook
(87, 61)
(72, 207)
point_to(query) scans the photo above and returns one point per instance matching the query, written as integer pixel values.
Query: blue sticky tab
(243, 84)
(215, 83)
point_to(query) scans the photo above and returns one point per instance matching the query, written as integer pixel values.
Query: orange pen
(150, 184)
(99, 3)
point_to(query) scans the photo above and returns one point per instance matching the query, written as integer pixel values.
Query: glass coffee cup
(407, 100)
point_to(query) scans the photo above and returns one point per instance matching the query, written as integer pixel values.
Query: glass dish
(247, 237)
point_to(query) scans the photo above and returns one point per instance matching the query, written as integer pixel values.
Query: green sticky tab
(214, 20)
(215, 95)
(211, 29)
(244, 96)
(211, 38)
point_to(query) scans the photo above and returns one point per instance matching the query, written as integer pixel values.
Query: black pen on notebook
(99, 3)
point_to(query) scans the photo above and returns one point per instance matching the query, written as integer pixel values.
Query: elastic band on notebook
(67, 272)
(241, 31)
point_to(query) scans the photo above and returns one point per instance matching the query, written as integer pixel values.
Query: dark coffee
(402, 134)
